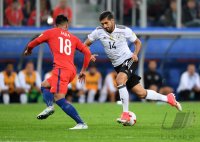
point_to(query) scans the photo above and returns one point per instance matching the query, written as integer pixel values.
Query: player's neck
(62, 27)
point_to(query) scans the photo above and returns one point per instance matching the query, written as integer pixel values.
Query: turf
(19, 123)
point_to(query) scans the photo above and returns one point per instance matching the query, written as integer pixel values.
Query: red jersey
(63, 45)
(14, 17)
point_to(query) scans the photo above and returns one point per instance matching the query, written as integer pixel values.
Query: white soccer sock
(153, 95)
(124, 96)
(91, 95)
(6, 98)
(81, 99)
(23, 99)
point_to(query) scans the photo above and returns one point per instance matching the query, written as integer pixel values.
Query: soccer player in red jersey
(63, 45)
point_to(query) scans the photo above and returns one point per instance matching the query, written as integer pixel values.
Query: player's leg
(124, 96)
(81, 94)
(111, 91)
(47, 95)
(5, 96)
(48, 98)
(60, 89)
(69, 110)
(91, 96)
(153, 95)
(112, 97)
(22, 95)
(103, 94)
(23, 98)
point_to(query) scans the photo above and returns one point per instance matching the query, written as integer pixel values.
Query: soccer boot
(46, 113)
(79, 126)
(125, 118)
(172, 101)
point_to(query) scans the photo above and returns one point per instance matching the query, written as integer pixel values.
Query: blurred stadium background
(170, 33)
(168, 29)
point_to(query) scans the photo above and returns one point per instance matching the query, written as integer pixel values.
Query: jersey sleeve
(130, 35)
(44, 36)
(40, 39)
(93, 35)
(85, 50)
(38, 80)
(79, 45)
(2, 83)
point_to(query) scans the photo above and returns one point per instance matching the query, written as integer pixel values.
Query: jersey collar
(114, 29)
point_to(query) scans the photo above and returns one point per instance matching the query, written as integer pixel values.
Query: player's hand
(81, 77)
(27, 52)
(135, 57)
(93, 57)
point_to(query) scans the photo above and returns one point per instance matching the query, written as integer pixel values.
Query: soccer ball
(132, 119)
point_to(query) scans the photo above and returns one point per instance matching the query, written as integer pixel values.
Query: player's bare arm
(138, 45)
(27, 50)
(87, 58)
(93, 56)
(81, 76)
(87, 42)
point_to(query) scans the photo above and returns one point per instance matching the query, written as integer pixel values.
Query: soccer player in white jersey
(114, 39)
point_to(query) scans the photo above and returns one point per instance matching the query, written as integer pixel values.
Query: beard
(110, 29)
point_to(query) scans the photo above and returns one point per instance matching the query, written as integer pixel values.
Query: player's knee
(120, 81)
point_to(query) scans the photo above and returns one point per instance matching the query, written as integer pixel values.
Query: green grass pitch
(18, 123)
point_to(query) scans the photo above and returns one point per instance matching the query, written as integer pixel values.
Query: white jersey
(3, 86)
(188, 82)
(25, 85)
(115, 43)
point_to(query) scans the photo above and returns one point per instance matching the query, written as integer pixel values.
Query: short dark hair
(60, 19)
(106, 14)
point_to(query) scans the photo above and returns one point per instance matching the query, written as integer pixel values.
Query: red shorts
(60, 79)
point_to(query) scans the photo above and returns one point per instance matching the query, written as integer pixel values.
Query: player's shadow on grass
(181, 120)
